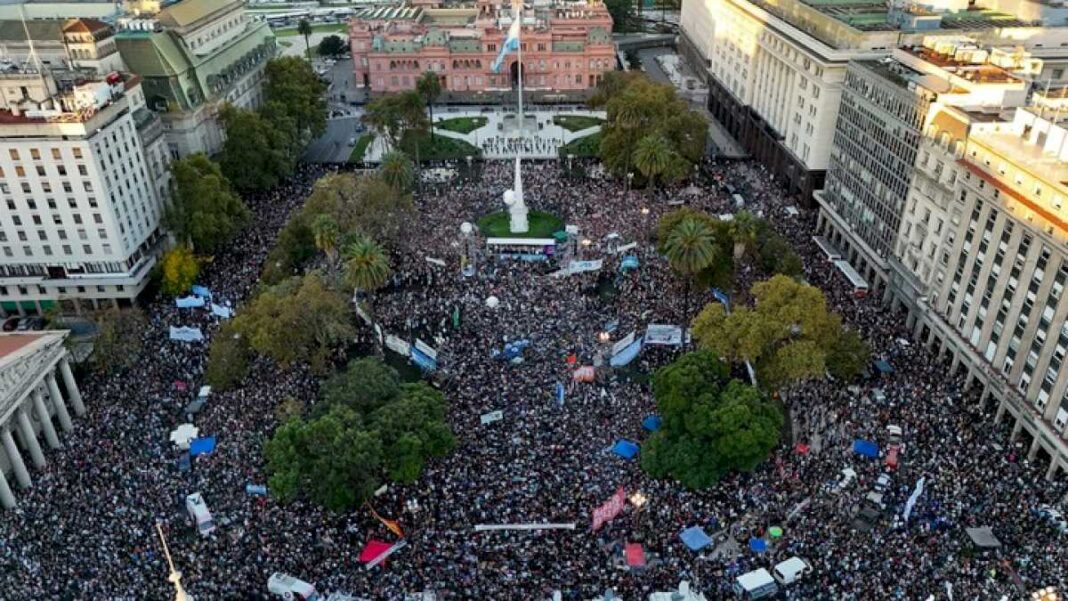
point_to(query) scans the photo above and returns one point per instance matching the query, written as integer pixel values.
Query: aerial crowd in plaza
(86, 530)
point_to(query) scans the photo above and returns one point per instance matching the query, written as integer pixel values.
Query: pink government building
(567, 46)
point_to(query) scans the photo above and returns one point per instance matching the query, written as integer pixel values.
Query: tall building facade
(776, 68)
(84, 181)
(567, 46)
(975, 250)
(194, 56)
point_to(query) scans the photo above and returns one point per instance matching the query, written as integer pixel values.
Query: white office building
(83, 181)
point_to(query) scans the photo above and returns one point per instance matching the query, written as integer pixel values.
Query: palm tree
(429, 87)
(304, 28)
(396, 169)
(743, 231)
(653, 157)
(366, 269)
(327, 233)
(690, 248)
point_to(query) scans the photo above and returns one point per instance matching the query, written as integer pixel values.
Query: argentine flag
(511, 42)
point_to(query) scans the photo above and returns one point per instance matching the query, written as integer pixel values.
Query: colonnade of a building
(43, 400)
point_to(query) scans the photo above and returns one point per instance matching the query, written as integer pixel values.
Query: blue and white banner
(189, 302)
(426, 349)
(201, 291)
(186, 334)
(221, 311)
(622, 343)
(626, 355)
(659, 333)
(911, 503)
(559, 394)
(422, 360)
(398, 346)
(722, 297)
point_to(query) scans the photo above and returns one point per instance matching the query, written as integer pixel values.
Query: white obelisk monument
(513, 199)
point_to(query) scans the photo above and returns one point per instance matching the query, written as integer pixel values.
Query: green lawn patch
(586, 146)
(321, 28)
(438, 148)
(542, 225)
(461, 125)
(361, 148)
(577, 122)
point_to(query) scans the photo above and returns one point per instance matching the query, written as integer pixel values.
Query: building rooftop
(187, 12)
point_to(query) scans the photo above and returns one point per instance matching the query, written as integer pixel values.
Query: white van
(757, 584)
(291, 588)
(849, 475)
(791, 570)
(198, 512)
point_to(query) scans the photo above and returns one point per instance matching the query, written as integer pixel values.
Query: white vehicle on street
(199, 514)
(849, 475)
(791, 570)
(291, 588)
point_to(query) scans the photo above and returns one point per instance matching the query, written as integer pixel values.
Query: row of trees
(649, 130)
(402, 118)
(263, 145)
(367, 428)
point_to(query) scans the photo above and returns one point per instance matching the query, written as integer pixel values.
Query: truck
(757, 584)
(199, 514)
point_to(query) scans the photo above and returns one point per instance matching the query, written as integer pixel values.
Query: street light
(630, 176)
(638, 499)
(645, 210)
(604, 337)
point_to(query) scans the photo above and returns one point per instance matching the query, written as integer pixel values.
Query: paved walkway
(499, 137)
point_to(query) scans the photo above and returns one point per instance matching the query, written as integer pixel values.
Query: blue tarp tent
(758, 545)
(201, 446)
(865, 448)
(255, 490)
(629, 262)
(626, 449)
(883, 367)
(695, 538)
(651, 423)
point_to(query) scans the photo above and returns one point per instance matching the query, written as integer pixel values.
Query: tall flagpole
(519, 15)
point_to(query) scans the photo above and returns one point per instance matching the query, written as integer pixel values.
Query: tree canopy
(300, 318)
(362, 206)
(178, 271)
(622, 12)
(671, 241)
(258, 151)
(392, 115)
(204, 212)
(786, 334)
(298, 92)
(637, 109)
(227, 359)
(369, 428)
(118, 338)
(332, 45)
(712, 425)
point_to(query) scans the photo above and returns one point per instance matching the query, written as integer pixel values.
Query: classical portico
(33, 404)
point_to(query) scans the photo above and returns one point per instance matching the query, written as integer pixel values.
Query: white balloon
(509, 197)
(492, 302)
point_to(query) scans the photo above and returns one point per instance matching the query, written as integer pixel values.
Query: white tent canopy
(184, 433)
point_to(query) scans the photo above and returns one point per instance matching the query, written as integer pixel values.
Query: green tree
(775, 253)
(637, 108)
(178, 270)
(227, 360)
(327, 235)
(712, 425)
(655, 160)
(366, 265)
(117, 344)
(204, 213)
(849, 356)
(690, 248)
(397, 116)
(295, 246)
(304, 28)
(365, 206)
(622, 12)
(333, 46)
(365, 432)
(396, 170)
(364, 386)
(786, 334)
(298, 93)
(743, 229)
(429, 87)
(300, 318)
(256, 154)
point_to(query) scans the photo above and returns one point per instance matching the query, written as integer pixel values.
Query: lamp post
(630, 176)
(175, 577)
(570, 171)
(586, 242)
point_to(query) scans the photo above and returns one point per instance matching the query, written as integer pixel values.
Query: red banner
(610, 509)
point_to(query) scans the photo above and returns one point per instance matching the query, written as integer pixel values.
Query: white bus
(859, 284)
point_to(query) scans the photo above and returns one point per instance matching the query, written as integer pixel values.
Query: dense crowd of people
(86, 530)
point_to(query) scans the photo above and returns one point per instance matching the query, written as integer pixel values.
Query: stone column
(7, 498)
(983, 398)
(57, 400)
(1000, 413)
(46, 419)
(29, 438)
(1052, 471)
(1034, 448)
(13, 455)
(1016, 430)
(72, 387)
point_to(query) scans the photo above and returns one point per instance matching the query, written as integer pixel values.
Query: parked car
(291, 588)
(11, 323)
(849, 475)
(882, 483)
